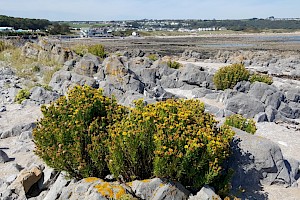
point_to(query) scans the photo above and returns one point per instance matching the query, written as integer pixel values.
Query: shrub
(153, 57)
(80, 50)
(189, 147)
(132, 146)
(22, 95)
(240, 122)
(97, 50)
(174, 64)
(229, 76)
(73, 132)
(261, 78)
(172, 139)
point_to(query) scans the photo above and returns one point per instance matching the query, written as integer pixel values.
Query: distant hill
(23, 23)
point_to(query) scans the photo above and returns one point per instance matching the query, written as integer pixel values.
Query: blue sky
(150, 9)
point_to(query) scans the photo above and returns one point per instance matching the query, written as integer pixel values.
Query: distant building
(7, 29)
(96, 32)
(135, 34)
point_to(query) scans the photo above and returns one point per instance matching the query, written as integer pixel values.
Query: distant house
(96, 32)
(7, 29)
(135, 34)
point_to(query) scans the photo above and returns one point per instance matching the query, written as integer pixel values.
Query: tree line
(34, 24)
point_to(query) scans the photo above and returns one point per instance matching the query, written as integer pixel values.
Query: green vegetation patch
(240, 122)
(89, 135)
(229, 76)
(261, 78)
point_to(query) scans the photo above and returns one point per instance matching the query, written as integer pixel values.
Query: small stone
(2, 109)
(3, 157)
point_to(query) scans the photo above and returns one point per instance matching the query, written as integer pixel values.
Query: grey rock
(200, 92)
(49, 176)
(131, 96)
(62, 80)
(261, 117)
(258, 89)
(206, 193)
(158, 189)
(273, 99)
(11, 178)
(26, 135)
(88, 65)
(271, 113)
(242, 86)
(293, 95)
(213, 95)
(2, 109)
(226, 94)
(171, 81)
(245, 105)
(193, 75)
(42, 96)
(260, 159)
(286, 111)
(57, 187)
(3, 157)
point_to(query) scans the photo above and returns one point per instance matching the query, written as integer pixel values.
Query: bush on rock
(72, 135)
(240, 122)
(261, 78)
(174, 139)
(87, 134)
(229, 76)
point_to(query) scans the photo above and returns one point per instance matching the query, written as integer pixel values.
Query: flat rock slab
(285, 135)
(278, 193)
(15, 115)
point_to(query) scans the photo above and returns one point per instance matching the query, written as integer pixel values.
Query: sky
(100, 10)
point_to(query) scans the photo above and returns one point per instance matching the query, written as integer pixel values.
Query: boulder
(17, 130)
(258, 89)
(274, 99)
(293, 95)
(56, 189)
(260, 159)
(242, 86)
(206, 193)
(158, 189)
(88, 65)
(3, 157)
(92, 188)
(245, 105)
(62, 80)
(40, 95)
(25, 180)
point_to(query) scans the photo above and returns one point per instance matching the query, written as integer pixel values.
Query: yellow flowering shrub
(131, 151)
(89, 135)
(72, 134)
(229, 76)
(174, 139)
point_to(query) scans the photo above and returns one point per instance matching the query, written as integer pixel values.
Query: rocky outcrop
(260, 159)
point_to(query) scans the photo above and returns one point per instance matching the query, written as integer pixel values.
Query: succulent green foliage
(261, 78)
(240, 122)
(229, 76)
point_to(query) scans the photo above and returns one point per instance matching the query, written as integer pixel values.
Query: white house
(7, 29)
